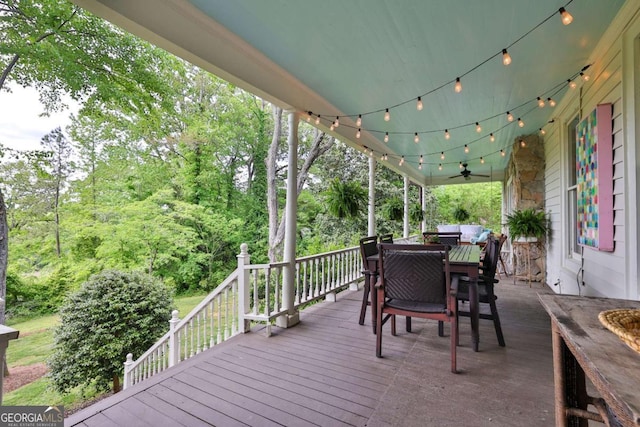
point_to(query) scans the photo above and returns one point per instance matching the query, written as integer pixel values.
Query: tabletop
(611, 365)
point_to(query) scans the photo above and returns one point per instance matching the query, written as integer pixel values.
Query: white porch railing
(252, 293)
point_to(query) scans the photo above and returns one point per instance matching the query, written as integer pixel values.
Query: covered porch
(325, 372)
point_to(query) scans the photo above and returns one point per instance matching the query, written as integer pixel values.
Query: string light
(565, 16)
(522, 143)
(446, 134)
(318, 119)
(416, 138)
(466, 149)
(542, 132)
(359, 120)
(386, 137)
(387, 116)
(478, 128)
(332, 127)
(420, 166)
(442, 155)
(551, 102)
(509, 116)
(460, 165)
(337, 122)
(440, 166)
(401, 161)
(585, 77)
(572, 84)
(502, 153)
(421, 159)
(520, 122)
(458, 85)
(482, 160)
(309, 117)
(491, 137)
(419, 105)
(506, 58)
(358, 133)
(540, 102)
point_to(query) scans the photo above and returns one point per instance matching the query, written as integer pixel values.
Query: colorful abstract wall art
(594, 179)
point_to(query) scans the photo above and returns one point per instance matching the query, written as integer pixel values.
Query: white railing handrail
(254, 293)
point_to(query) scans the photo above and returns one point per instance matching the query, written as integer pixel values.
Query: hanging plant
(393, 210)
(460, 214)
(345, 199)
(416, 213)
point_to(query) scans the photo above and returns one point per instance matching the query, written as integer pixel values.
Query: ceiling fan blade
(484, 176)
(455, 176)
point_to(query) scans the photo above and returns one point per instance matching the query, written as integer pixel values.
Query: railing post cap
(174, 315)
(244, 248)
(129, 358)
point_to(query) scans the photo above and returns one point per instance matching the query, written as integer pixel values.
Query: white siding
(610, 274)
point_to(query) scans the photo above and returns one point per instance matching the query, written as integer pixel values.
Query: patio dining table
(463, 260)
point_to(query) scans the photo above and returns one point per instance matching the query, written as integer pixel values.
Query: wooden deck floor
(324, 372)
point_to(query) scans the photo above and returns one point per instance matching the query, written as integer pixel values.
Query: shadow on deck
(324, 372)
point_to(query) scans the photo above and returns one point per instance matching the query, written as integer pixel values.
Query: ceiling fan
(466, 173)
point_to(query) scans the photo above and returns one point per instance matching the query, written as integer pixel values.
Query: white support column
(243, 288)
(405, 232)
(423, 190)
(174, 341)
(292, 317)
(371, 228)
(6, 334)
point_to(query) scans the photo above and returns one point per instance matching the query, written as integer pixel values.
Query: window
(573, 250)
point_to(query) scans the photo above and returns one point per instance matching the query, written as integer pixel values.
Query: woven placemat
(625, 323)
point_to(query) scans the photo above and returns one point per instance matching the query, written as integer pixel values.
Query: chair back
(368, 247)
(451, 238)
(415, 273)
(490, 262)
(386, 238)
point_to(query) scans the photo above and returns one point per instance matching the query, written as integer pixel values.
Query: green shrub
(112, 314)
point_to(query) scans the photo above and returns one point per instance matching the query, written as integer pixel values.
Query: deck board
(324, 372)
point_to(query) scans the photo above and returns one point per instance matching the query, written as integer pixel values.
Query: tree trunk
(116, 383)
(319, 146)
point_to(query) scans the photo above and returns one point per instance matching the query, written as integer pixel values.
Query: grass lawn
(35, 344)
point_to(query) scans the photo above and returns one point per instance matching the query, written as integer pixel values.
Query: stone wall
(526, 171)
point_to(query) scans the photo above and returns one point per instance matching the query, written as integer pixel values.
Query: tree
(111, 315)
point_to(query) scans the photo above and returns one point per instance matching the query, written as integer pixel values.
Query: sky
(20, 125)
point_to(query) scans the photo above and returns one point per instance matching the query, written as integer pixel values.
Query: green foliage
(527, 223)
(345, 199)
(393, 209)
(111, 315)
(416, 214)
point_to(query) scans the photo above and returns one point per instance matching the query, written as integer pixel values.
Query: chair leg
(378, 332)
(496, 323)
(504, 268)
(365, 298)
(440, 328)
(408, 324)
(393, 325)
(454, 343)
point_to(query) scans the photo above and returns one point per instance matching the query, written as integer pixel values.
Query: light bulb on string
(466, 149)
(492, 138)
(460, 165)
(540, 102)
(509, 116)
(506, 58)
(358, 133)
(387, 116)
(522, 143)
(585, 77)
(542, 132)
(478, 127)
(318, 119)
(551, 102)
(421, 159)
(309, 117)
(386, 137)
(482, 160)
(371, 153)
(572, 84)
(416, 138)
(502, 153)
(442, 155)
(337, 122)
(565, 16)
(332, 127)
(440, 166)
(446, 134)
(520, 122)
(401, 161)
(420, 166)
(458, 86)
(419, 105)
(359, 120)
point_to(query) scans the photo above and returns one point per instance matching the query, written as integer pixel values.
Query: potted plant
(527, 224)
(432, 239)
